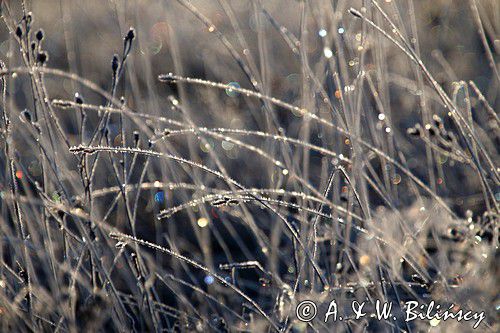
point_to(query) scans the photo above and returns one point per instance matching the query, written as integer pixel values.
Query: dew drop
(230, 91)
(209, 279)
(202, 222)
(160, 196)
(396, 179)
(328, 52)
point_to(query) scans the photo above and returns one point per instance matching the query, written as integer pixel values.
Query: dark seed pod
(78, 99)
(355, 13)
(42, 57)
(114, 64)
(127, 42)
(130, 35)
(19, 31)
(438, 122)
(29, 19)
(39, 35)
(23, 275)
(27, 115)
(413, 131)
(432, 131)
